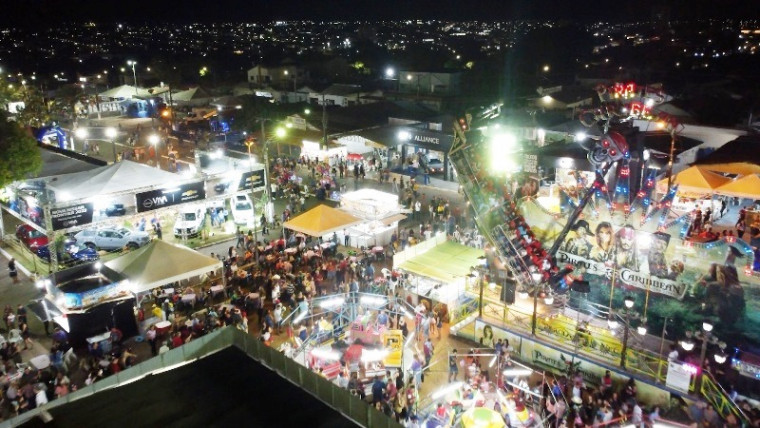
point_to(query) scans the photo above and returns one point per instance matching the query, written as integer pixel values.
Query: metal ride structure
(340, 310)
(500, 221)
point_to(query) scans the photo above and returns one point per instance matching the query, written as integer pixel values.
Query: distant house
(442, 83)
(280, 76)
(563, 98)
(344, 96)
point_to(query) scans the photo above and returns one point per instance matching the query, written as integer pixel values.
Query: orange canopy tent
(739, 168)
(696, 180)
(321, 220)
(743, 187)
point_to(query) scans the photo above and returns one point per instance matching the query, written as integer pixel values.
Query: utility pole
(324, 123)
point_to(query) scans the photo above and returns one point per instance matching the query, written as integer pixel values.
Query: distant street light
(390, 72)
(134, 73)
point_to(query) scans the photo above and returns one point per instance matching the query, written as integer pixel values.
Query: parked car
(189, 221)
(31, 237)
(242, 210)
(112, 238)
(72, 252)
(115, 210)
(222, 186)
(435, 165)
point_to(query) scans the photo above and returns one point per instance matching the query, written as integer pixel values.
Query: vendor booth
(381, 213)
(322, 221)
(438, 270)
(161, 264)
(696, 187)
(87, 301)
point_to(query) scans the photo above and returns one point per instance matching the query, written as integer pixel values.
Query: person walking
(12, 272)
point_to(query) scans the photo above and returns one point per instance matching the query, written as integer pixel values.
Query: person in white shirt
(40, 397)
(673, 354)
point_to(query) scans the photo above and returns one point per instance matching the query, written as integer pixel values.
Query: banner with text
(74, 215)
(162, 198)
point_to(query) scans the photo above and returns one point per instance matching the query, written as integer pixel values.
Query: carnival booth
(696, 188)
(437, 270)
(87, 301)
(161, 264)
(322, 221)
(381, 213)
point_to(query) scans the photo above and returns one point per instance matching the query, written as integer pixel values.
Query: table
(189, 299)
(103, 341)
(215, 290)
(163, 327)
(40, 362)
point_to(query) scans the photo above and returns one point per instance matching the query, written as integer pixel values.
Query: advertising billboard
(162, 198)
(74, 215)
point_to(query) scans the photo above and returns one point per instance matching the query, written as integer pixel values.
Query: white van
(189, 221)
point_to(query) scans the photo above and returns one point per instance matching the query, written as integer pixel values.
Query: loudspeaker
(508, 291)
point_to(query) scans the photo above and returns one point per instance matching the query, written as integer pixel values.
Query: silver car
(112, 238)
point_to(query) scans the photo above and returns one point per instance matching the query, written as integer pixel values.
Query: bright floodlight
(549, 300)
(390, 72)
(111, 133)
(279, 132)
(502, 146)
(687, 345)
(707, 326)
(580, 136)
(612, 322)
(645, 154)
(153, 139)
(81, 133)
(642, 329)
(628, 302)
(721, 357)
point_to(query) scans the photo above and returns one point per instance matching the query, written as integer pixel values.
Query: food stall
(380, 212)
(437, 270)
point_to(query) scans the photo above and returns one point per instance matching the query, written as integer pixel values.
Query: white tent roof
(124, 91)
(160, 263)
(190, 94)
(115, 178)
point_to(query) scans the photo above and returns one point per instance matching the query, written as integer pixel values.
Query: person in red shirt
(177, 340)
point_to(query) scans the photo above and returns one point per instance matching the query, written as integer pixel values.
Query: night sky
(46, 12)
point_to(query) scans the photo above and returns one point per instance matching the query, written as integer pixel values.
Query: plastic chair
(14, 336)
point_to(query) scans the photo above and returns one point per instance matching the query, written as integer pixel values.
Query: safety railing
(721, 402)
(463, 310)
(338, 398)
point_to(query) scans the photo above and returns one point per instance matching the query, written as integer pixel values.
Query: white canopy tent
(115, 178)
(125, 91)
(160, 263)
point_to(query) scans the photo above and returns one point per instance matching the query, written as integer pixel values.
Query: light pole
(134, 73)
(111, 134)
(707, 338)
(628, 315)
(248, 143)
(153, 140)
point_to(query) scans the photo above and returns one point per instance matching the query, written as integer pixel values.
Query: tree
(19, 154)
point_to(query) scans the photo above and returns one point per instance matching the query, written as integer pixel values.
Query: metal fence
(340, 399)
